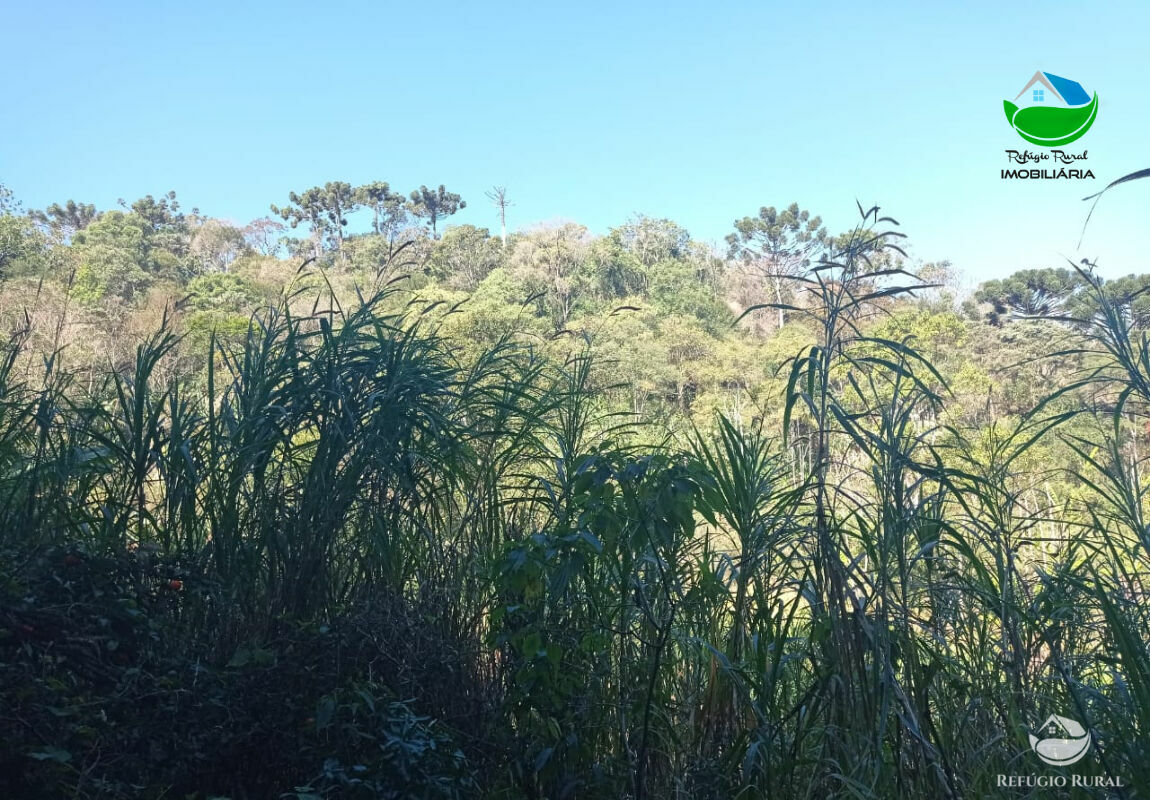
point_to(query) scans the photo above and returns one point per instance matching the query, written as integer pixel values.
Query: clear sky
(700, 112)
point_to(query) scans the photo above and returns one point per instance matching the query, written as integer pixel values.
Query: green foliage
(1062, 293)
(8, 202)
(434, 205)
(608, 578)
(219, 306)
(652, 240)
(389, 209)
(465, 256)
(222, 292)
(65, 221)
(22, 247)
(630, 252)
(168, 227)
(787, 239)
(159, 215)
(554, 264)
(324, 209)
(777, 245)
(114, 257)
(216, 244)
(398, 755)
(676, 287)
(1029, 292)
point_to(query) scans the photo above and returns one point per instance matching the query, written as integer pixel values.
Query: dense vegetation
(424, 512)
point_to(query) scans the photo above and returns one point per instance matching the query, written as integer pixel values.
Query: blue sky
(589, 111)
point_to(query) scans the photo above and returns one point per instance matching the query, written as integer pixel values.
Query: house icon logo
(1051, 111)
(1065, 742)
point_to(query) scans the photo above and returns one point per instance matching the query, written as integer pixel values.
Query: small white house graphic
(1045, 89)
(1066, 743)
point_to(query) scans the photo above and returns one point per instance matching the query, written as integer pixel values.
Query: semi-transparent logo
(1064, 743)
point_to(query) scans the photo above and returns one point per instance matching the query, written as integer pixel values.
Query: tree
(114, 257)
(388, 209)
(498, 198)
(777, 245)
(8, 202)
(216, 244)
(305, 208)
(65, 221)
(222, 292)
(1130, 292)
(1029, 292)
(652, 240)
(676, 287)
(158, 214)
(339, 201)
(22, 247)
(263, 235)
(465, 256)
(628, 254)
(434, 205)
(325, 209)
(1062, 293)
(551, 263)
(167, 225)
(20, 242)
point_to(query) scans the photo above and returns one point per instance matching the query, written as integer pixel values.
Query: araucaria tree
(325, 209)
(435, 204)
(777, 245)
(389, 211)
(65, 221)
